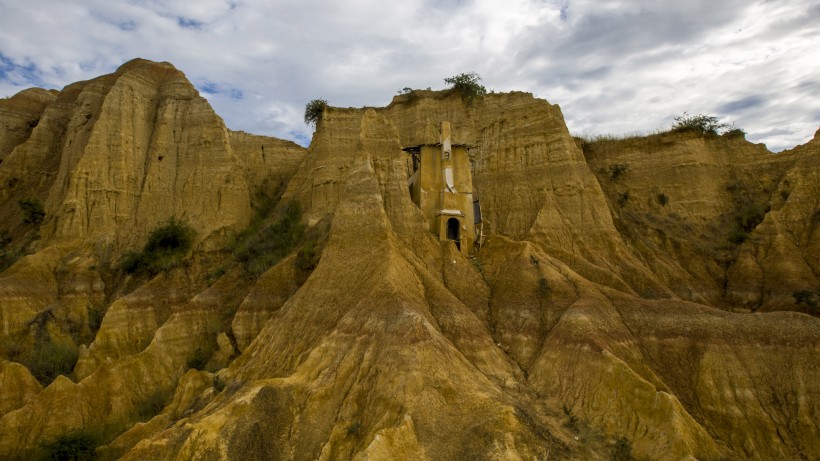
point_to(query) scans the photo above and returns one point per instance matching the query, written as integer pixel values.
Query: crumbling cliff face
(605, 313)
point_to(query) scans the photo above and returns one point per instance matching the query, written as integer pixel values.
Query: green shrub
(308, 256)
(467, 85)
(33, 212)
(74, 446)
(50, 360)
(702, 124)
(314, 110)
(166, 247)
(174, 237)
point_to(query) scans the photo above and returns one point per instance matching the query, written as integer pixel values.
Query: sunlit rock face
(657, 296)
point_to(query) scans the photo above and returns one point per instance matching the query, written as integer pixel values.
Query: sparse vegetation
(809, 299)
(467, 84)
(151, 405)
(308, 256)
(623, 199)
(543, 289)
(616, 170)
(166, 248)
(314, 110)
(572, 420)
(622, 451)
(51, 359)
(749, 211)
(74, 446)
(588, 138)
(219, 384)
(33, 212)
(701, 123)
(8, 255)
(737, 236)
(199, 359)
(662, 199)
(263, 246)
(354, 428)
(95, 318)
(735, 133)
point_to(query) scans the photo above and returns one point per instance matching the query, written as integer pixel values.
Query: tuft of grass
(543, 289)
(623, 199)
(572, 420)
(617, 170)
(622, 451)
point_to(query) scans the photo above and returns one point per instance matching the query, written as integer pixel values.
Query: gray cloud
(741, 105)
(614, 67)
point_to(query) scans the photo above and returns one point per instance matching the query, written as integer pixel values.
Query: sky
(615, 67)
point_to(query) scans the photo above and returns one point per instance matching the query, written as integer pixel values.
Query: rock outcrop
(626, 297)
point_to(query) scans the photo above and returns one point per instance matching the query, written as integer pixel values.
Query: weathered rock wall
(723, 221)
(575, 325)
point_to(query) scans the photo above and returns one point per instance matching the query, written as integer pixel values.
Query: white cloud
(614, 67)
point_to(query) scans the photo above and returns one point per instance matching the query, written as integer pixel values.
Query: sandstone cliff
(587, 324)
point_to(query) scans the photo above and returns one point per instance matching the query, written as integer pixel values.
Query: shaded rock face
(586, 326)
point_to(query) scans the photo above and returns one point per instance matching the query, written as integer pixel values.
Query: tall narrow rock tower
(441, 184)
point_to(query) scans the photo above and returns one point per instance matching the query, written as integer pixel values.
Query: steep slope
(574, 332)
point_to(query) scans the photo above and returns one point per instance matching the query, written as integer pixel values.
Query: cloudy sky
(616, 66)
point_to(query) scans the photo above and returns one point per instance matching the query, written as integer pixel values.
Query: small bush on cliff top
(703, 124)
(166, 247)
(314, 110)
(467, 84)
